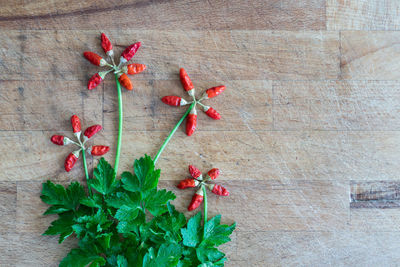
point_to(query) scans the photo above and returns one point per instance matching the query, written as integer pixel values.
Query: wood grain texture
(362, 15)
(164, 15)
(370, 55)
(310, 119)
(336, 105)
(241, 155)
(227, 55)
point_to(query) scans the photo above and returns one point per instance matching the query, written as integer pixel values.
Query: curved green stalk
(172, 133)
(205, 208)
(86, 171)
(120, 117)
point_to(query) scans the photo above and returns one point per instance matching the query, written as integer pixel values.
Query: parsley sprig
(130, 222)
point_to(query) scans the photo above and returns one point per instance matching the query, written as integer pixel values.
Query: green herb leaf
(156, 201)
(121, 261)
(62, 226)
(192, 233)
(168, 255)
(61, 199)
(78, 258)
(145, 178)
(209, 254)
(215, 233)
(105, 182)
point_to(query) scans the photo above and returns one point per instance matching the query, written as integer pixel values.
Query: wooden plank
(336, 105)
(47, 105)
(37, 250)
(375, 194)
(370, 55)
(335, 248)
(230, 55)
(254, 205)
(210, 15)
(374, 220)
(362, 15)
(314, 155)
(8, 207)
(244, 105)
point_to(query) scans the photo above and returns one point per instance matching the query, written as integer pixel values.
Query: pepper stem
(120, 117)
(172, 133)
(86, 171)
(205, 209)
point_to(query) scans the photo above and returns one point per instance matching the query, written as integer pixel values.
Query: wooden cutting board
(308, 143)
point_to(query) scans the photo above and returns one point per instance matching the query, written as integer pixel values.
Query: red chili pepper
(174, 100)
(98, 150)
(185, 80)
(106, 45)
(92, 130)
(212, 113)
(219, 190)
(196, 200)
(187, 183)
(125, 81)
(95, 59)
(194, 172)
(213, 92)
(94, 81)
(129, 52)
(135, 68)
(76, 124)
(191, 122)
(58, 140)
(213, 173)
(71, 160)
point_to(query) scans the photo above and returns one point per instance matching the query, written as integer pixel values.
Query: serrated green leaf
(62, 226)
(209, 254)
(130, 182)
(168, 255)
(192, 233)
(171, 223)
(156, 201)
(126, 213)
(94, 201)
(81, 258)
(124, 199)
(124, 227)
(104, 181)
(55, 210)
(62, 199)
(216, 233)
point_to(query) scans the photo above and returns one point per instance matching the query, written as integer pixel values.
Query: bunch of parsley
(129, 222)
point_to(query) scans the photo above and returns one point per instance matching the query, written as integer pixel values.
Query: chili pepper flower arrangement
(127, 220)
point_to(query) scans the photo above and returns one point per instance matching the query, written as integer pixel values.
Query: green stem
(205, 209)
(172, 133)
(86, 171)
(120, 117)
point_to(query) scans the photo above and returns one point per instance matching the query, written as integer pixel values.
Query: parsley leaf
(79, 257)
(105, 182)
(192, 233)
(216, 233)
(62, 226)
(168, 255)
(156, 201)
(61, 199)
(145, 177)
